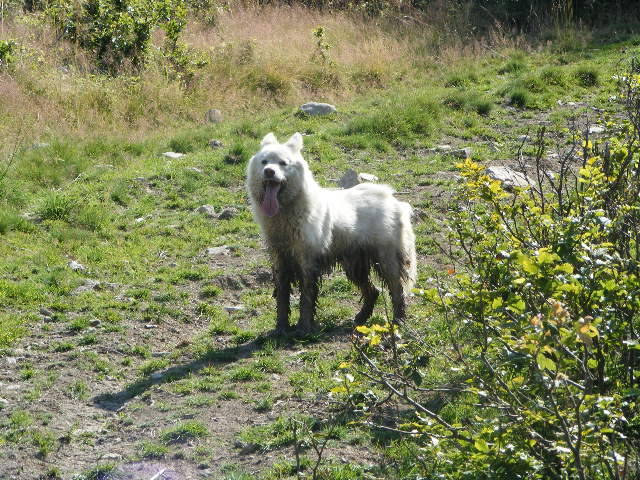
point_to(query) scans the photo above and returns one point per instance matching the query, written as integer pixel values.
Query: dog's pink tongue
(270, 205)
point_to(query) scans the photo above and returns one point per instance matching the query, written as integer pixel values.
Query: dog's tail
(407, 250)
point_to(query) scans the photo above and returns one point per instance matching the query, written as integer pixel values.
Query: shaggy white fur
(308, 229)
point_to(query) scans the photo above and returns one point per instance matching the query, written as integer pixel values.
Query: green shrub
(184, 432)
(587, 76)
(118, 33)
(7, 53)
(540, 312)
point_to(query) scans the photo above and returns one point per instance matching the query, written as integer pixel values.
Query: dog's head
(276, 173)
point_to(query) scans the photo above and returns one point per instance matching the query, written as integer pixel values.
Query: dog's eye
(264, 162)
(283, 163)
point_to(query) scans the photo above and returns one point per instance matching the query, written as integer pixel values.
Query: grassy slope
(148, 365)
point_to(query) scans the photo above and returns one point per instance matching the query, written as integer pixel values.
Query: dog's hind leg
(391, 272)
(357, 270)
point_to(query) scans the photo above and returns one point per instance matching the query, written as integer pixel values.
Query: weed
(78, 390)
(245, 374)
(183, 432)
(238, 154)
(45, 442)
(210, 291)
(56, 206)
(153, 365)
(519, 97)
(151, 450)
(229, 395)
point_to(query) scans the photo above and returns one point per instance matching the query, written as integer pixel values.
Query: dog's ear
(268, 139)
(295, 142)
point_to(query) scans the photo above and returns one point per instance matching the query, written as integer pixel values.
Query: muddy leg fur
(309, 286)
(283, 277)
(358, 273)
(390, 270)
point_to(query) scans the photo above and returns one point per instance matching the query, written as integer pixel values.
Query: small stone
(195, 169)
(46, 312)
(349, 179)
(160, 354)
(76, 267)
(221, 250)
(367, 177)
(233, 308)
(207, 210)
(509, 176)
(442, 148)
(87, 286)
(596, 129)
(95, 322)
(47, 319)
(111, 456)
(38, 145)
(173, 155)
(150, 326)
(213, 115)
(228, 213)
(140, 219)
(524, 138)
(11, 360)
(461, 153)
(4, 401)
(315, 108)
(213, 143)
(139, 179)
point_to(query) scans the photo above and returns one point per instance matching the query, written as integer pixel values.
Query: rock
(47, 319)
(160, 354)
(509, 176)
(351, 179)
(442, 148)
(195, 169)
(315, 108)
(233, 308)
(46, 312)
(524, 138)
(263, 276)
(213, 143)
(221, 250)
(38, 145)
(150, 326)
(111, 456)
(207, 210)
(228, 213)
(367, 177)
(87, 286)
(213, 115)
(596, 129)
(230, 282)
(173, 155)
(11, 360)
(76, 266)
(461, 153)
(94, 322)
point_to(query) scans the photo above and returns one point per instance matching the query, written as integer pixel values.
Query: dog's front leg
(309, 285)
(283, 279)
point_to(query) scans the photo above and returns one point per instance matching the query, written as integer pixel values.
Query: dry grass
(258, 57)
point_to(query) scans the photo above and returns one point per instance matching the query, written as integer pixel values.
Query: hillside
(135, 328)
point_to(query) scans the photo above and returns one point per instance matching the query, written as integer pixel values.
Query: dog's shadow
(115, 402)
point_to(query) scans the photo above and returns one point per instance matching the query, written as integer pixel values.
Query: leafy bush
(118, 33)
(7, 51)
(541, 311)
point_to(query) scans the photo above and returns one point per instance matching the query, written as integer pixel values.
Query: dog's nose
(269, 172)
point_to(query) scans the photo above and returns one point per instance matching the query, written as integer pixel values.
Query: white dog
(309, 229)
